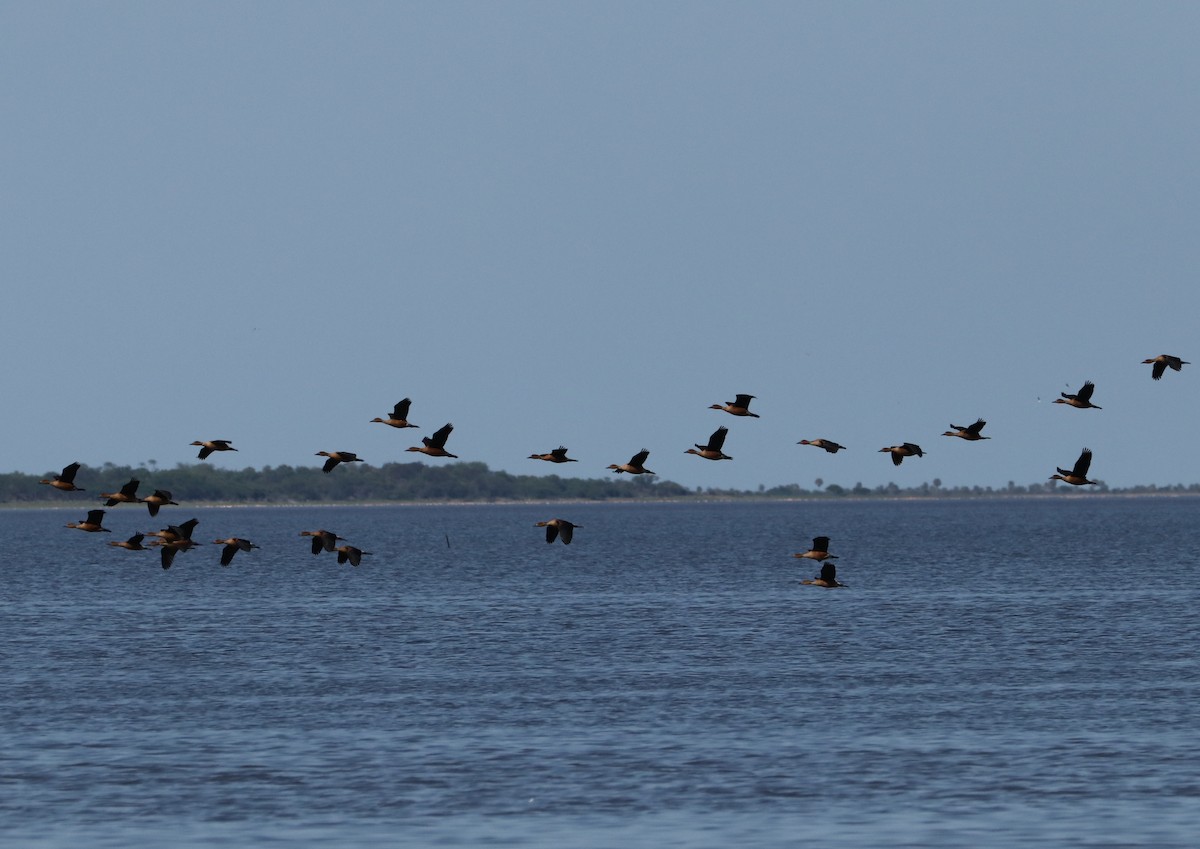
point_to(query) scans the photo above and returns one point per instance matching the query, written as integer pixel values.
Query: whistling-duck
(65, 480)
(819, 550)
(160, 498)
(899, 452)
(435, 446)
(91, 524)
(969, 433)
(349, 552)
(828, 578)
(828, 444)
(209, 446)
(322, 540)
(558, 528)
(134, 543)
(634, 466)
(170, 549)
(1081, 399)
(1078, 475)
(171, 533)
(232, 546)
(336, 457)
(398, 416)
(127, 495)
(1164, 361)
(558, 455)
(740, 406)
(712, 451)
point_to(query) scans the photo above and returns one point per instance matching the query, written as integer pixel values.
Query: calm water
(1001, 673)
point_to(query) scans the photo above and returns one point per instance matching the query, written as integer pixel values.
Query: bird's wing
(440, 437)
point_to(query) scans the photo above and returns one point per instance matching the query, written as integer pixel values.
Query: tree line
(469, 481)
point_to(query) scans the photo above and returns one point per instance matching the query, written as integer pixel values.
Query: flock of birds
(176, 538)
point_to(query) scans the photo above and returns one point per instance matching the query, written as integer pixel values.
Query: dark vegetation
(413, 482)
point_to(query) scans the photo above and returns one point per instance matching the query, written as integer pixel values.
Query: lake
(997, 673)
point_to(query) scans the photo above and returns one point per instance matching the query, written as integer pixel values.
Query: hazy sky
(582, 223)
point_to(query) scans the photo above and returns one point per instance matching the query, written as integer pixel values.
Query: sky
(580, 224)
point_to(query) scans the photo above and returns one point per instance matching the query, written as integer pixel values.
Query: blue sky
(583, 223)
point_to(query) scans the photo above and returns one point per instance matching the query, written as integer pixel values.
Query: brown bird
(134, 543)
(158, 499)
(559, 528)
(171, 533)
(349, 552)
(819, 550)
(209, 446)
(634, 466)
(828, 578)
(740, 406)
(336, 457)
(1164, 361)
(170, 549)
(828, 444)
(321, 540)
(712, 451)
(558, 455)
(899, 452)
(969, 433)
(398, 417)
(127, 495)
(232, 546)
(92, 524)
(65, 480)
(1081, 399)
(1078, 475)
(435, 446)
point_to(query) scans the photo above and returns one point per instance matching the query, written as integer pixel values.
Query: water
(998, 673)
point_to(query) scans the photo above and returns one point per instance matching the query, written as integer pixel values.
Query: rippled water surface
(997, 673)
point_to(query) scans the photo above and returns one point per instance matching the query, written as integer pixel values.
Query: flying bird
(712, 451)
(322, 540)
(899, 452)
(819, 550)
(435, 446)
(209, 446)
(1080, 400)
(398, 417)
(134, 543)
(92, 524)
(558, 455)
(127, 495)
(160, 498)
(828, 578)
(969, 433)
(828, 444)
(336, 457)
(1078, 475)
(558, 528)
(65, 480)
(1164, 361)
(740, 406)
(350, 553)
(634, 466)
(232, 546)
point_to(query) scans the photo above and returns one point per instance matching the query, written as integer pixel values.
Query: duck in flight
(556, 528)
(232, 546)
(322, 540)
(127, 495)
(65, 480)
(399, 415)
(1082, 399)
(828, 444)
(819, 550)
(159, 499)
(435, 446)
(209, 446)
(712, 451)
(634, 466)
(971, 433)
(350, 553)
(558, 455)
(134, 543)
(1164, 361)
(899, 452)
(94, 523)
(828, 578)
(1078, 475)
(336, 457)
(740, 406)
